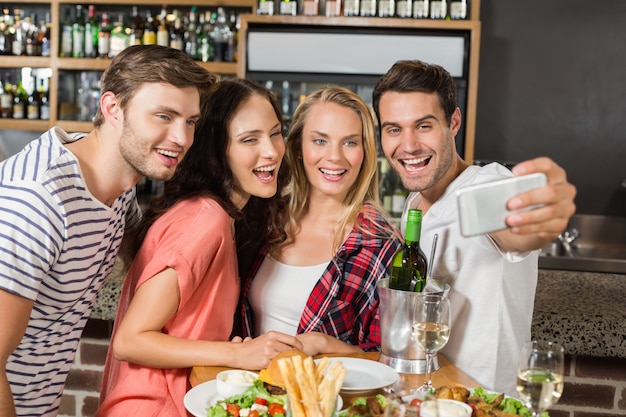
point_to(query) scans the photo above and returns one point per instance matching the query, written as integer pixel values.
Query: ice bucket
(399, 348)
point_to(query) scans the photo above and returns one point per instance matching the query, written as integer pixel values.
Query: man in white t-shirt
(493, 276)
(65, 201)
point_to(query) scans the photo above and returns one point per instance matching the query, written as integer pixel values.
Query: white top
(492, 293)
(279, 281)
(58, 245)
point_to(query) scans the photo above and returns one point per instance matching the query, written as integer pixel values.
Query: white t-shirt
(279, 281)
(492, 293)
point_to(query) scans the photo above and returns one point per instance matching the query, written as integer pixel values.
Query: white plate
(205, 395)
(201, 397)
(365, 375)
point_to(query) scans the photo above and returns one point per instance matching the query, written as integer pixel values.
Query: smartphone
(482, 207)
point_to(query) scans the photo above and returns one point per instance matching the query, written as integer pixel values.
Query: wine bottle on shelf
(136, 27)
(332, 8)
(386, 8)
(78, 34)
(104, 37)
(409, 266)
(20, 100)
(6, 100)
(91, 33)
(310, 7)
(33, 108)
(386, 185)
(398, 198)
(66, 35)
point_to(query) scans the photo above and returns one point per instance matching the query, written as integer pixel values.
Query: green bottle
(408, 269)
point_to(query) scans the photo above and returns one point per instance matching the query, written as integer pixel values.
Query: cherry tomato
(416, 402)
(253, 413)
(474, 409)
(275, 408)
(233, 409)
(260, 401)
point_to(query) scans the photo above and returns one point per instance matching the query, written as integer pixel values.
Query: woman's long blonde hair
(364, 189)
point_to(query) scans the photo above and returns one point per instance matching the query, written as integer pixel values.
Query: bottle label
(18, 111)
(33, 111)
(403, 8)
(437, 10)
(386, 8)
(351, 8)
(420, 9)
(368, 8)
(266, 7)
(45, 112)
(288, 8)
(458, 10)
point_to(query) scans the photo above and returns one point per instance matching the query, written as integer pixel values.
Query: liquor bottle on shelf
(91, 33)
(177, 35)
(44, 110)
(288, 7)
(66, 35)
(20, 101)
(332, 8)
(386, 8)
(223, 38)
(397, 199)
(266, 7)
(191, 35)
(149, 30)
(78, 34)
(404, 8)
(162, 34)
(44, 35)
(6, 100)
(120, 38)
(438, 9)
(18, 46)
(104, 37)
(351, 8)
(136, 27)
(387, 185)
(206, 42)
(458, 9)
(310, 7)
(33, 108)
(409, 266)
(420, 9)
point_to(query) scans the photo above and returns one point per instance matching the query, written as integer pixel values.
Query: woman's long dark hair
(204, 172)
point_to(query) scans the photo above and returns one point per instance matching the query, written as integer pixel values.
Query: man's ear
(455, 122)
(109, 106)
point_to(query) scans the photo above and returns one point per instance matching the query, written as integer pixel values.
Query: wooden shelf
(58, 64)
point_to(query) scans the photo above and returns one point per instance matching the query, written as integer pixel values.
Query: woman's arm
(139, 337)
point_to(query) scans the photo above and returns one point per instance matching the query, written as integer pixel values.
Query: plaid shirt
(344, 302)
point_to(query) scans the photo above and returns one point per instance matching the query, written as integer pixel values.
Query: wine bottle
(409, 266)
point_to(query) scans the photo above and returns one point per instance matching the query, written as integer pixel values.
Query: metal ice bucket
(399, 348)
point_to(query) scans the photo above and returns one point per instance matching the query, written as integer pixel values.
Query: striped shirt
(57, 245)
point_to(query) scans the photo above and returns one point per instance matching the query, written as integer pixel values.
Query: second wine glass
(540, 375)
(431, 328)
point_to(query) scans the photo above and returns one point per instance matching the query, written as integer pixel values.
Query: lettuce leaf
(508, 405)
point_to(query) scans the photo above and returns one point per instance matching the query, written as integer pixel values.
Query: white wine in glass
(431, 328)
(540, 375)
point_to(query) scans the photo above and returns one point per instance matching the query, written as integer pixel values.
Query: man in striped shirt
(65, 201)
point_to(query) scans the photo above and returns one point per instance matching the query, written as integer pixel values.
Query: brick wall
(594, 387)
(82, 388)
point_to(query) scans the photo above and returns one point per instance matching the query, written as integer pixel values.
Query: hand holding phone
(482, 207)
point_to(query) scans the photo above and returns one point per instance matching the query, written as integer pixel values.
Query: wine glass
(540, 375)
(431, 328)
